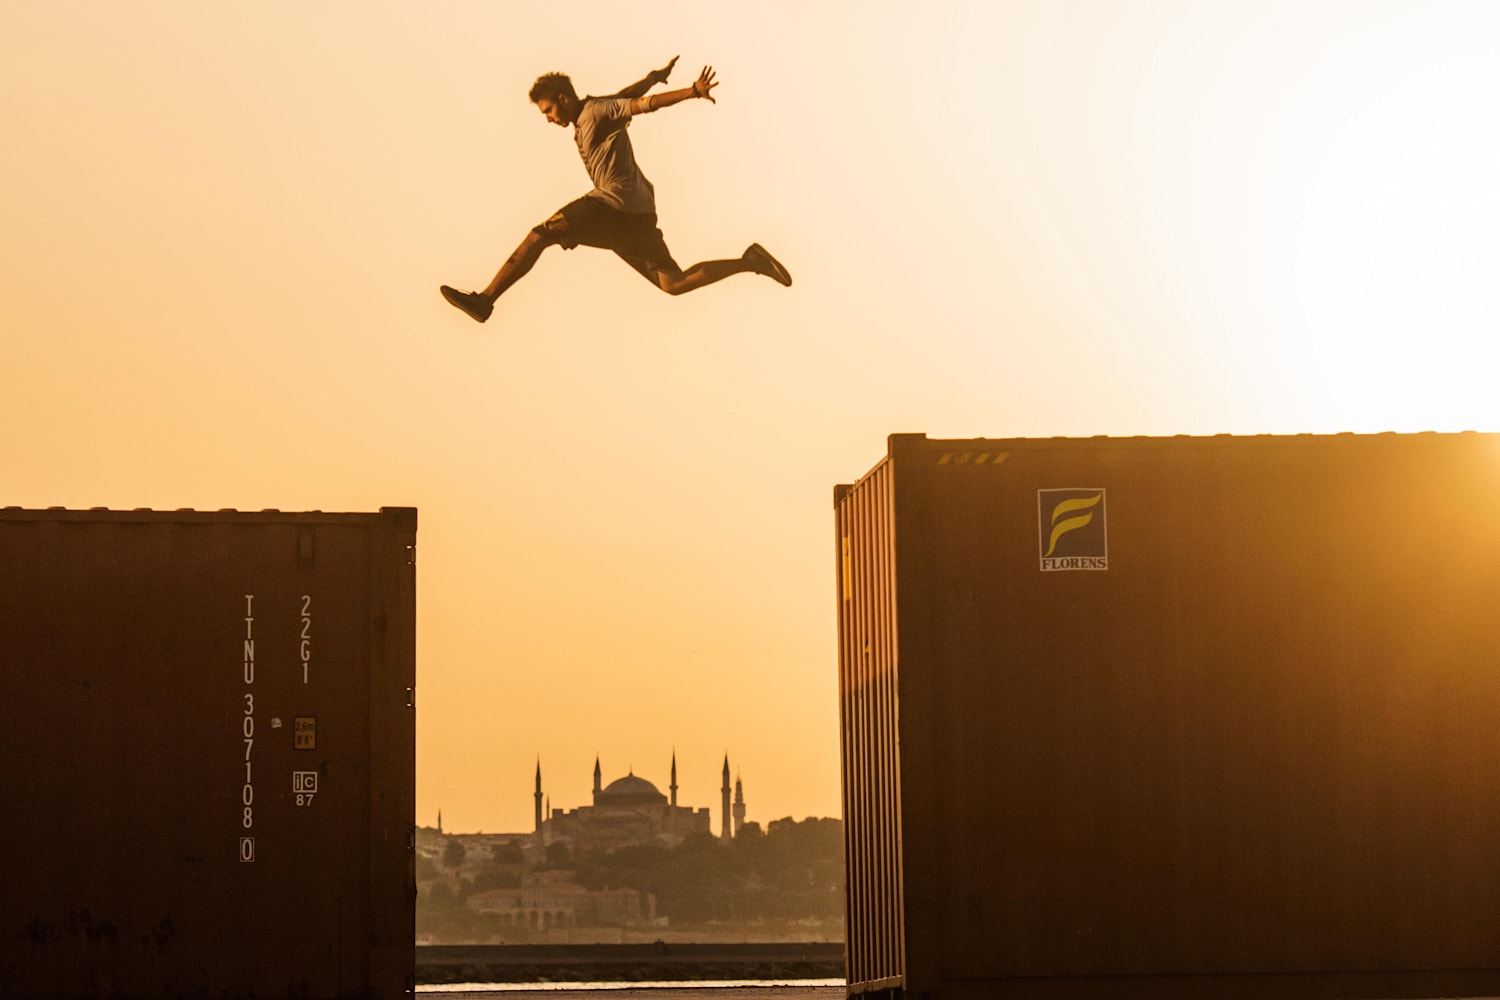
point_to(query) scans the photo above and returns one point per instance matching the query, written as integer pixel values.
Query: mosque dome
(630, 791)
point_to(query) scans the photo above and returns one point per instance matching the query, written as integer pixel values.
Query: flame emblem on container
(1071, 525)
(1062, 522)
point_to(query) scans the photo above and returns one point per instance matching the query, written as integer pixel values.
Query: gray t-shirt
(607, 156)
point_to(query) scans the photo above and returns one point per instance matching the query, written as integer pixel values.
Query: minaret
(440, 821)
(725, 834)
(739, 805)
(674, 779)
(540, 843)
(598, 780)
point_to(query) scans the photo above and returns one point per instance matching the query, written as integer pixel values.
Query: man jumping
(619, 214)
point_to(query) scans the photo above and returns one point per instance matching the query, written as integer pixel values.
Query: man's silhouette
(619, 214)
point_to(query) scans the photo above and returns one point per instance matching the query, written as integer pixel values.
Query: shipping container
(208, 776)
(1172, 717)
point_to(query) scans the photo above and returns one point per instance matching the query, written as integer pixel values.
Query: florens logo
(1071, 529)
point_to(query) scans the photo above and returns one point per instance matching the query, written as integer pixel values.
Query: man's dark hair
(553, 85)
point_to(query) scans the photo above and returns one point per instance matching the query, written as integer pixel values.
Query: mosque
(631, 810)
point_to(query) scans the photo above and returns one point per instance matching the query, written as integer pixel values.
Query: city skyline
(713, 805)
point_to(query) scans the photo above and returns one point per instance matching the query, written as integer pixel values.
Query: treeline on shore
(786, 883)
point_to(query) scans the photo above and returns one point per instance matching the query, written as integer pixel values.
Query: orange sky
(225, 225)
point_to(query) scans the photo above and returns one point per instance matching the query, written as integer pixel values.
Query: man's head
(554, 96)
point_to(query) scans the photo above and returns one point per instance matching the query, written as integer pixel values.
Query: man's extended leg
(755, 259)
(479, 305)
(516, 265)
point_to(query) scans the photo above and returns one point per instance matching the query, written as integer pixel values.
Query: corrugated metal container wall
(1173, 717)
(872, 796)
(209, 766)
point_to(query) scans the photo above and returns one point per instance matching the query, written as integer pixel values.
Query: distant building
(630, 810)
(552, 900)
(739, 805)
(725, 833)
(736, 811)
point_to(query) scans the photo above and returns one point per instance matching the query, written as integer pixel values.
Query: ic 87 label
(247, 734)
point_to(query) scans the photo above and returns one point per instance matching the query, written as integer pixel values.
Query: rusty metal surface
(1170, 708)
(209, 753)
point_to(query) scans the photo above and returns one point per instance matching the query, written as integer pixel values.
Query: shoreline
(628, 963)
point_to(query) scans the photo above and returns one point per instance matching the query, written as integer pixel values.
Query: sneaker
(765, 264)
(477, 306)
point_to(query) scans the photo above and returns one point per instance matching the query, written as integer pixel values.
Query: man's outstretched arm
(651, 79)
(702, 87)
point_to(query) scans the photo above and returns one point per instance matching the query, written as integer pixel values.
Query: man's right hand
(657, 76)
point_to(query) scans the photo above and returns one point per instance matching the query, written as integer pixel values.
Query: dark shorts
(633, 237)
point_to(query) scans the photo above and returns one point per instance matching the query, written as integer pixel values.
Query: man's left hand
(704, 84)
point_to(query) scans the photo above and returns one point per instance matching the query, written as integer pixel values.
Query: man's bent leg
(755, 259)
(705, 273)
